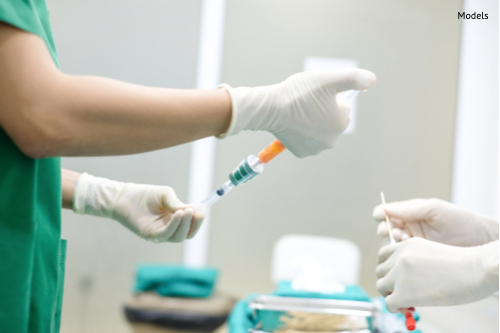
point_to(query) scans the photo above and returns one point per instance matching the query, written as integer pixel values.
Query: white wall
(202, 161)
(403, 143)
(475, 165)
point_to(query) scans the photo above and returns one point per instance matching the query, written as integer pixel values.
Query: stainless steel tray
(364, 330)
(313, 305)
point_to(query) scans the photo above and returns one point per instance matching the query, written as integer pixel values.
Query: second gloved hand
(303, 111)
(151, 212)
(436, 220)
(420, 272)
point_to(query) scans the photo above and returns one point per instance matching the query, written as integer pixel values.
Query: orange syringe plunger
(271, 151)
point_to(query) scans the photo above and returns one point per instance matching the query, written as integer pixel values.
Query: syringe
(253, 166)
(246, 170)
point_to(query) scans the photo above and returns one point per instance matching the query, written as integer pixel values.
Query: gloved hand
(302, 111)
(419, 272)
(436, 220)
(151, 212)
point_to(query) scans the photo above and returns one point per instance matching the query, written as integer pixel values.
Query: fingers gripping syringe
(248, 169)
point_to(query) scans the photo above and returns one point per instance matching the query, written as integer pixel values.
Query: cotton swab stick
(408, 313)
(389, 226)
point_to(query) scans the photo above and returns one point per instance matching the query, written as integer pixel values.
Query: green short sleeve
(31, 252)
(31, 16)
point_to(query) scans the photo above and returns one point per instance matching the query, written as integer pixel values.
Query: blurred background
(429, 128)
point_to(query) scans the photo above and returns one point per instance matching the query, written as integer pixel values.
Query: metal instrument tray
(313, 305)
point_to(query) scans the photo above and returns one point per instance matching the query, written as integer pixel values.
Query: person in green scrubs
(45, 114)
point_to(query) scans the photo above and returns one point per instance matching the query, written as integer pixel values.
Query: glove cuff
(96, 196)
(234, 112)
(252, 109)
(81, 192)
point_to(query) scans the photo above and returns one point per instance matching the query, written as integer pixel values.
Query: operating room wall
(402, 145)
(476, 160)
(403, 142)
(154, 43)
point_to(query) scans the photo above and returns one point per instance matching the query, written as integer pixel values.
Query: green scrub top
(31, 251)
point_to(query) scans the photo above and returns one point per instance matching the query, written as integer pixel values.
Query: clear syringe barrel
(248, 169)
(217, 194)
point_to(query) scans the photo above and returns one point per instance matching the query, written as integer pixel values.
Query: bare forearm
(48, 113)
(106, 117)
(68, 179)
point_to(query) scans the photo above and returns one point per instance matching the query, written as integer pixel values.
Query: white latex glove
(302, 111)
(151, 212)
(436, 220)
(419, 272)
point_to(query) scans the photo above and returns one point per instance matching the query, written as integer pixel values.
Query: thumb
(348, 79)
(170, 201)
(391, 303)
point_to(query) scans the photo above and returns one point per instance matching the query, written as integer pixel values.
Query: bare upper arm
(28, 87)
